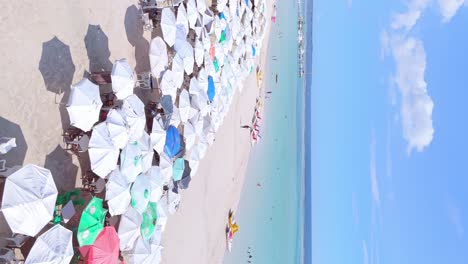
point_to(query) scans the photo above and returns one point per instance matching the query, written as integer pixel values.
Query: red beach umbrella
(105, 249)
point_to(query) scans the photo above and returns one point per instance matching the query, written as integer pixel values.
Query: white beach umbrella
(168, 26)
(168, 84)
(165, 164)
(185, 51)
(192, 13)
(147, 153)
(199, 52)
(158, 56)
(158, 136)
(156, 181)
(182, 18)
(117, 193)
(118, 128)
(162, 221)
(170, 202)
(140, 192)
(199, 25)
(208, 17)
(103, 154)
(84, 104)
(175, 117)
(145, 253)
(184, 105)
(157, 234)
(194, 88)
(53, 247)
(201, 6)
(131, 161)
(29, 199)
(129, 229)
(189, 135)
(133, 111)
(123, 79)
(178, 70)
(194, 166)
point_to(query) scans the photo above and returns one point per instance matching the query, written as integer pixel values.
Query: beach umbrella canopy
(172, 145)
(211, 89)
(161, 224)
(140, 192)
(84, 104)
(158, 56)
(117, 193)
(170, 202)
(145, 253)
(29, 199)
(156, 181)
(158, 136)
(129, 229)
(91, 222)
(165, 165)
(133, 111)
(192, 13)
(147, 153)
(118, 129)
(167, 105)
(131, 161)
(199, 52)
(168, 84)
(189, 135)
(178, 70)
(105, 249)
(103, 154)
(185, 51)
(178, 169)
(184, 182)
(168, 26)
(184, 105)
(148, 224)
(182, 18)
(53, 247)
(123, 79)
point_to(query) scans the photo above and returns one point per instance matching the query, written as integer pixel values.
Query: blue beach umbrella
(211, 89)
(172, 146)
(254, 51)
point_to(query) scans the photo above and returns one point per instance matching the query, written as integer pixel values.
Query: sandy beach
(46, 46)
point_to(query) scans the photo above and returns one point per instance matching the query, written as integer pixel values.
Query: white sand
(195, 234)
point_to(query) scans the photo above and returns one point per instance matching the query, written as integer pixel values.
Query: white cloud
(448, 8)
(455, 218)
(373, 172)
(416, 105)
(365, 253)
(408, 19)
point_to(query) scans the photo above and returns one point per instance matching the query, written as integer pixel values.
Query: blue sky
(389, 133)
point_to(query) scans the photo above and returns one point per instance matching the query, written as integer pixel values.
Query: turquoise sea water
(270, 216)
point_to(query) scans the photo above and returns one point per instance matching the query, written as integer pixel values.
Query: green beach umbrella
(150, 217)
(91, 222)
(178, 169)
(223, 37)
(140, 193)
(216, 64)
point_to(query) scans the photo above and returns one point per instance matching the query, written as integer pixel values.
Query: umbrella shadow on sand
(64, 172)
(134, 30)
(57, 69)
(97, 47)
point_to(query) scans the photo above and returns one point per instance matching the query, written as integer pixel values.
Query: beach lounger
(101, 78)
(15, 241)
(7, 255)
